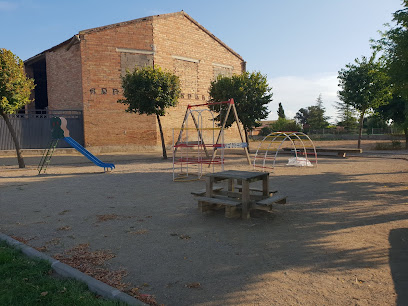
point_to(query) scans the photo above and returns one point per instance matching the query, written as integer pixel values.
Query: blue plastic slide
(87, 154)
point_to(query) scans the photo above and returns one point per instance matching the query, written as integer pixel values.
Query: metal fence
(33, 128)
(366, 131)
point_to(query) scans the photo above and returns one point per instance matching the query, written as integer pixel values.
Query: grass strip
(25, 281)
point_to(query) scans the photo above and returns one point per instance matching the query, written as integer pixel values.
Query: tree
(281, 112)
(346, 115)
(313, 116)
(394, 45)
(15, 90)
(317, 120)
(397, 111)
(285, 125)
(365, 86)
(150, 91)
(251, 94)
(302, 117)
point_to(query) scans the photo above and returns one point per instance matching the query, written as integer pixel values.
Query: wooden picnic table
(237, 200)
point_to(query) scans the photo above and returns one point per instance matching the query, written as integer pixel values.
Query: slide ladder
(47, 155)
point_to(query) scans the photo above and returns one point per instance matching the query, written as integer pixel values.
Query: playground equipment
(59, 131)
(296, 142)
(192, 153)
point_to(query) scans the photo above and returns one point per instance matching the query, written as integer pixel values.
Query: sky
(299, 45)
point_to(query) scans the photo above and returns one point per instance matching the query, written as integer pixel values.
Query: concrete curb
(64, 270)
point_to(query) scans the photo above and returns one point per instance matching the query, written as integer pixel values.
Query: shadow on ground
(167, 246)
(399, 263)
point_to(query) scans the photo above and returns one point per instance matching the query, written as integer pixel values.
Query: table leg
(204, 206)
(245, 200)
(209, 184)
(230, 184)
(265, 186)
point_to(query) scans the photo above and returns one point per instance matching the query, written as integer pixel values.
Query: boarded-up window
(131, 61)
(222, 70)
(187, 71)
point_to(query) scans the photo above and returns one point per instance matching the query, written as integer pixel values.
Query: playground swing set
(191, 149)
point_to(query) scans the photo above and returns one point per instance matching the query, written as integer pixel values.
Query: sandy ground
(342, 238)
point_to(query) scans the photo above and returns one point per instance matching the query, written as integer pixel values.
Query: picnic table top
(241, 175)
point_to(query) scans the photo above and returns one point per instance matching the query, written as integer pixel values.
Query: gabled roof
(162, 16)
(151, 18)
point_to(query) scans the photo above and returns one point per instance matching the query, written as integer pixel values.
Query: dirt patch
(339, 240)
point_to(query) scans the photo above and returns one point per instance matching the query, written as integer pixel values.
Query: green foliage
(347, 115)
(251, 95)
(15, 90)
(313, 116)
(302, 116)
(266, 130)
(281, 112)
(393, 145)
(25, 281)
(396, 110)
(394, 45)
(150, 91)
(15, 87)
(284, 125)
(364, 84)
(281, 125)
(376, 122)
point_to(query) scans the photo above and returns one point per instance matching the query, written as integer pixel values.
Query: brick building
(83, 73)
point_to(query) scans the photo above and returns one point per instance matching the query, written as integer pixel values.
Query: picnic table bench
(340, 151)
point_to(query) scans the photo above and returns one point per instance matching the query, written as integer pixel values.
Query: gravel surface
(341, 239)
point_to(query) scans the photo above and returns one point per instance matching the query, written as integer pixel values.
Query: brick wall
(87, 76)
(187, 50)
(64, 82)
(105, 120)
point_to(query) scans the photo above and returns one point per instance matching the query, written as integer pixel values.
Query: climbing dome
(298, 143)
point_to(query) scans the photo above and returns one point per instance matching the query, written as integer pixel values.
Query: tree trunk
(406, 137)
(15, 140)
(360, 131)
(247, 140)
(162, 137)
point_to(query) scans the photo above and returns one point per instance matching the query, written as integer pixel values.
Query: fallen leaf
(64, 228)
(63, 290)
(194, 285)
(64, 212)
(44, 293)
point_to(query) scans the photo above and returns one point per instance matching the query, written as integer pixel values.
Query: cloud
(7, 6)
(295, 92)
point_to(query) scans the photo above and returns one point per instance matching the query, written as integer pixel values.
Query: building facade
(84, 73)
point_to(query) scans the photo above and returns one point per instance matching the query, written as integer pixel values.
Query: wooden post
(265, 186)
(240, 134)
(245, 200)
(200, 136)
(231, 105)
